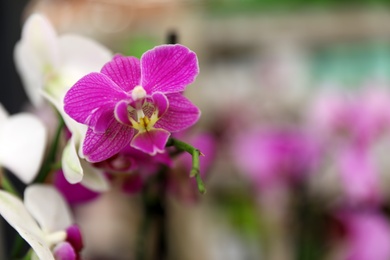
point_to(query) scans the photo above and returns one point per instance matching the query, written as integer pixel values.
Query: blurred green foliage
(351, 64)
(137, 45)
(234, 6)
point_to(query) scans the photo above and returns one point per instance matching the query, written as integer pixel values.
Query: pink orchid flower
(367, 235)
(136, 102)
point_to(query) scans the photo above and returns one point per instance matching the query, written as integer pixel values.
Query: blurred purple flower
(73, 193)
(359, 175)
(361, 117)
(136, 102)
(134, 167)
(274, 156)
(367, 235)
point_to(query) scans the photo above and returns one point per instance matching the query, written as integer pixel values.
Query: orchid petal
(180, 114)
(64, 251)
(152, 141)
(36, 55)
(92, 96)
(94, 178)
(73, 193)
(100, 146)
(3, 115)
(168, 68)
(71, 165)
(74, 237)
(23, 142)
(80, 56)
(161, 102)
(14, 212)
(121, 113)
(124, 71)
(48, 207)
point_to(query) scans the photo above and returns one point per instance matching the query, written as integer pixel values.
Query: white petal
(71, 165)
(22, 145)
(94, 178)
(39, 34)
(15, 213)
(36, 56)
(48, 207)
(3, 114)
(30, 70)
(80, 56)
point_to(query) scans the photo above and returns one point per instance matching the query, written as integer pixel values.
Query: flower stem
(7, 185)
(51, 157)
(195, 153)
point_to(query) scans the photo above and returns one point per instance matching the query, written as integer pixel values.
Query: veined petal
(180, 114)
(168, 68)
(92, 96)
(14, 212)
(124, 71)
(71, 165)
(100, 146)
(121, 113)
(152, 141)
(161, 102)
(22, 145)
(64, 251)
(48, 207)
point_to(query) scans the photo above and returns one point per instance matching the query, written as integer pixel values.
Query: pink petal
(151, 142)
(161, 102)
(168, 68)
(74, 237)
(359, 176)
(100, 146)
(73, 193)
(91, 97)
(180, 115)
(368, 235)
(124, 71)
(121, 113)
(64, 251)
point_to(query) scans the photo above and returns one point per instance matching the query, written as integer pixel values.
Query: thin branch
(195, 153)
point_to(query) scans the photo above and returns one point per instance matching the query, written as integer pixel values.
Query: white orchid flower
(44, 221)
(22, 144)
(49, 65)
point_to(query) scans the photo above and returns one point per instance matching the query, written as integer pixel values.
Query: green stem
(7, 185)
(28, 255)
(195, 153)
(51, 157)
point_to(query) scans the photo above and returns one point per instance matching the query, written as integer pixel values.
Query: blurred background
(295, 101)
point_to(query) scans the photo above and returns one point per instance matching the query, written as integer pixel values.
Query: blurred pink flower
(367, 235)
(361, 116)
(133, 167)
(274, 156)
(73, 193)
(359, 175)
